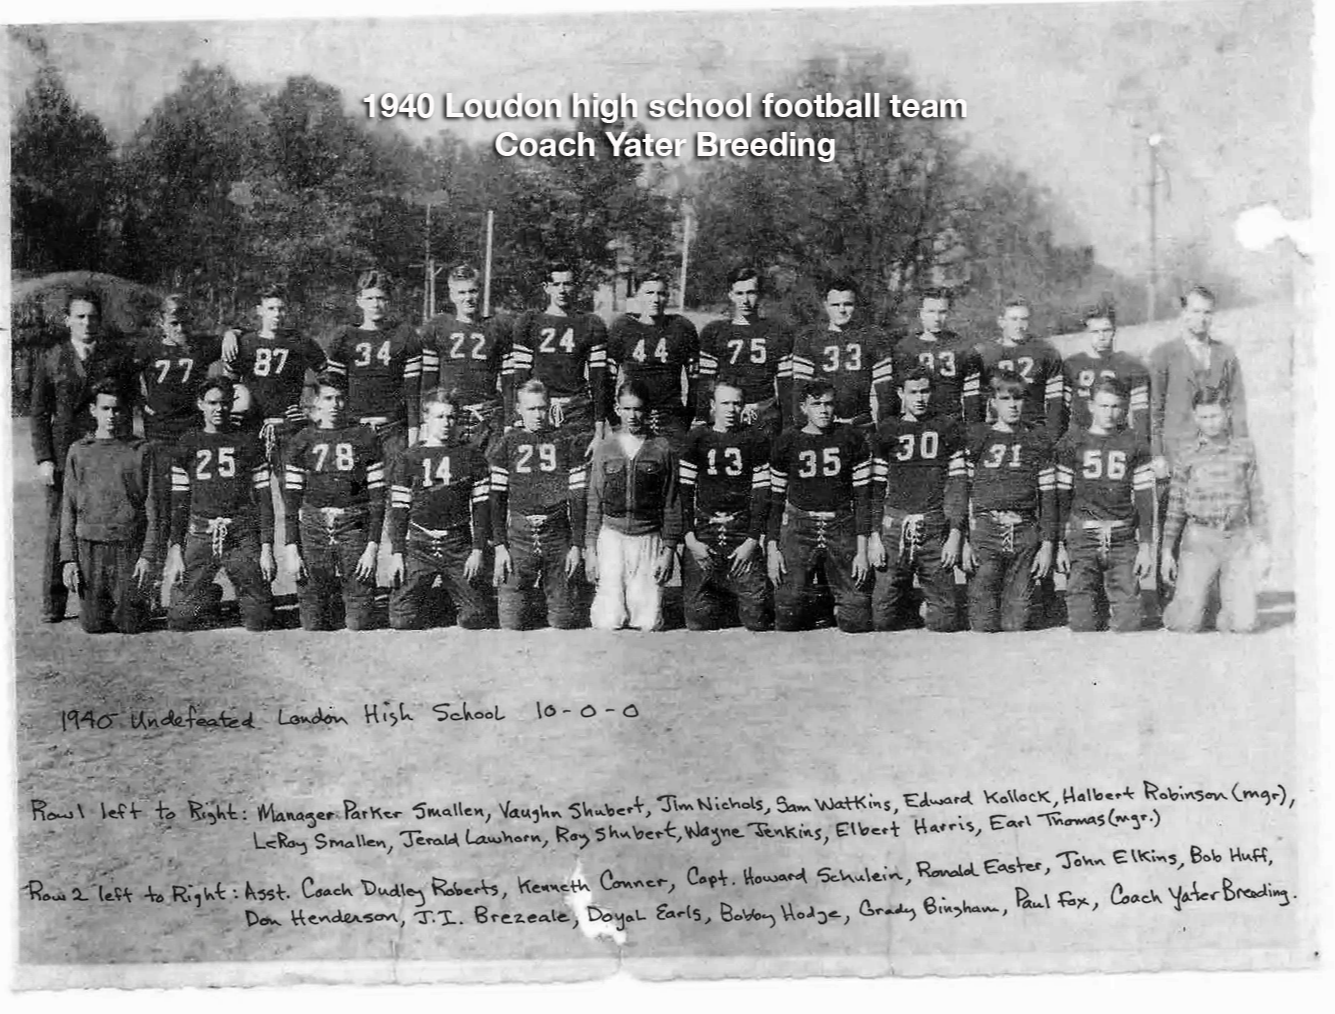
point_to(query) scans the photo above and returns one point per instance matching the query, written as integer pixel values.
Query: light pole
(1152, 287)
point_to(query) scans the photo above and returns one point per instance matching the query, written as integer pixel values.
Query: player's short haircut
(107, 385)
(633, 386)
(653, 276)
(463, 273)
(1209, 396)
(557, 268)
(173, 301)
(1197, 290)
(333, 380)
(934, 293)
(918, 373)
(532, 386)
(744, 274)
(440, 396)
(272, 291)
(1016, 301)
(1109, 385)
(814, 389)
(840, 283)
(83, 295)
(218, 382)
(1005, 382)
(1099, 313)
(373, 278)
(726, 381)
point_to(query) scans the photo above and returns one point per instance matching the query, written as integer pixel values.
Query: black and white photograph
(727, 493)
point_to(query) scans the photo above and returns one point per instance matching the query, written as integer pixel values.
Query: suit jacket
(1175, 376)
(62, 391)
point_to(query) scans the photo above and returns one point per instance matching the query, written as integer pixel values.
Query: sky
(1067, 92)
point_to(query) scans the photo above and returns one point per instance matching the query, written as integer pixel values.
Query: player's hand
(777, 568)
(591, 565)
(860, 569)
(1168, 566)
(70, 576)
(230, 346)
(396, 569)
(365, 569)
(1144, 562)
(968, 560)
(950, 552)
(294, 565)
(741, 556)
(876, 551)
(1261, 558)
(173, 572)
(1063, 564)
(500, 570)
(698, 550)
(1042, 560)
(667, 557)
(47, 470)
(750, 413)
(143, 573)
(473, 565)
(267, 565)
(412, 436)
(1160, 466)
(573, 559)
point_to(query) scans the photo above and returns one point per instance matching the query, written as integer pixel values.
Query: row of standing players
(484, 362)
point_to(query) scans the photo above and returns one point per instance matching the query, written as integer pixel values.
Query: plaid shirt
(1216, 483)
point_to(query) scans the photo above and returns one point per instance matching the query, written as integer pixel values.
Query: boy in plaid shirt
(1216, 509)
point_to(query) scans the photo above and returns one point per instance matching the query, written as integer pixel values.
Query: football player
(1013, 502)
(748, 348)
(539, 497)
(222, 515)
(918, 502)
(334, 493)
(1035, 361)
(465, 354)
(725, 500)
(381, 363)
(1084, 369)
(659, 350)
(855, 359)
(1105, 494)
(440, 521)
(567, 351)
(820, 514)
(952, 361)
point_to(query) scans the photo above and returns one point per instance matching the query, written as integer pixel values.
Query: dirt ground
(728, 713)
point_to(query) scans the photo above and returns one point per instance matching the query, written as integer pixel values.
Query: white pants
(627, 592)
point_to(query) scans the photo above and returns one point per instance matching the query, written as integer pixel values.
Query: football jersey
(538, 473)
(1084, 369)
(169, 378)
(274, 369)
(747, 354)
(339, 467)
(438, 487)
(1039, 365)
(918, 467)
(726, 473)
(383, 369)
(829, 471)
(655, 354)
(466, 357)
(857, 360)
(1105, 477)
(1014, 472)
(220, 475)
(956, 374)
(567, 353)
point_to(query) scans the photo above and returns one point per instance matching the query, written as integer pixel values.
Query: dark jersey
(438, 487)
(1039, 365)
(465, 356)
(828, 471)
(956, 374)
(274, 369)
(383, 370)
(335, 468)
(1105, 477)
(169, 378)
(1013, 472)
(919, 468)
(567, 353)
(656, 354)
(542, 473)
(1084, 369)
(856, 360)
(220, 475)
(747, 354)
(726, 473)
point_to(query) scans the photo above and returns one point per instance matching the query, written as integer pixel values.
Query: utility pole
(427, 275)
(685, 255)
(1152, 287)
(486, 282)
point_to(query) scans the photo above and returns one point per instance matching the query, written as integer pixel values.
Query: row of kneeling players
(524, 526)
